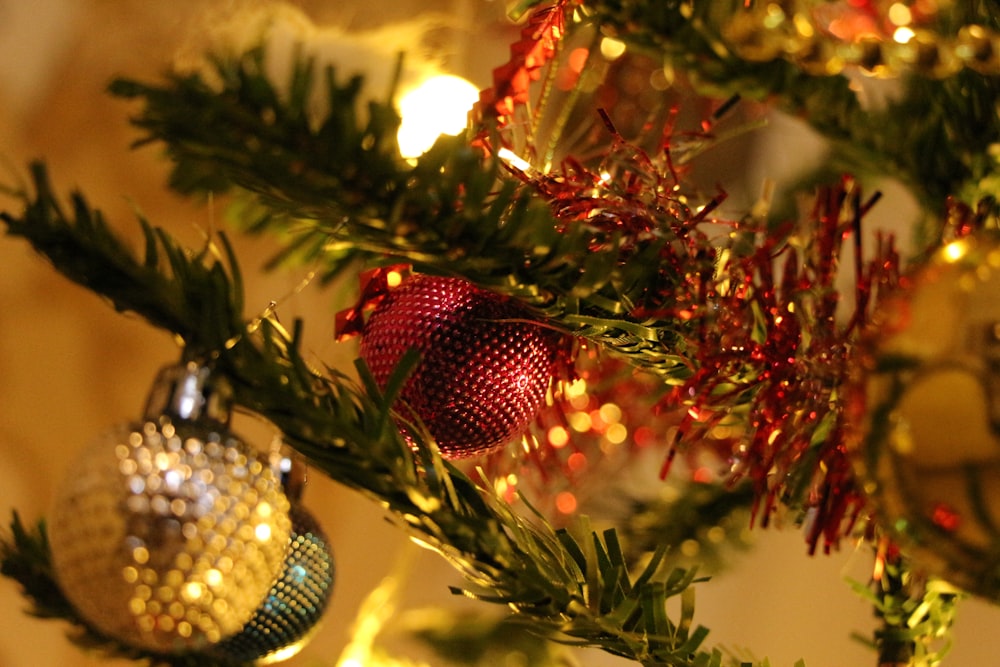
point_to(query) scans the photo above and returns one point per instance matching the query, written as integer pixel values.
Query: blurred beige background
(70, 367)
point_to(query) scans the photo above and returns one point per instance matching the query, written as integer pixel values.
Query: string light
(611, 48)
(439, 105)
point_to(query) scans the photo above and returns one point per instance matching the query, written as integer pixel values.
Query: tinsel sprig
(929, 134)
(571, 582)
(916, 613)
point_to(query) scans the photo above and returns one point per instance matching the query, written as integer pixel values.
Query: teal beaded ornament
(288, 617)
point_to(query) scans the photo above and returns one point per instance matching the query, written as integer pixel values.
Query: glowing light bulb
(903, 35)
(900, 14)
(439, 105)
(566, 502)
(611, 48)
(512, 158)
(955, 251)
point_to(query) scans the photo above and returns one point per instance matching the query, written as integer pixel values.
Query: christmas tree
(576, 351)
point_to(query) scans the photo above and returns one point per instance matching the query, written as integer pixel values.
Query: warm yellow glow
(900, 14)
(954, 251)
(577, 387)
(803, 25)
(611, 413)
(192, 591)
(513, 159)
(612, 48)
(558, 436)
(213, 577)
(263, 532)
(716, 534)
(902, 35)
(774, 16)
(377, 609)
(439, 105)
(616, 434)
(579, 421)
(690, 548)
(282, 654)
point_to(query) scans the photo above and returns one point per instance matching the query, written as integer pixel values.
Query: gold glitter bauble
(169, 532)
(930, 451)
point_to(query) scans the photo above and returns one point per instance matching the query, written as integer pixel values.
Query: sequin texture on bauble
(169, 532)
(484, 370)
(286, 620)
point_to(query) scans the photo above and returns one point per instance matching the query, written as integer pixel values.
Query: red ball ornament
(484, 369)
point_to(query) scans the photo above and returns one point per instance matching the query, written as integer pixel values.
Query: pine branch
(447, 214)
(916, 616)
(628, 268)
(573, 583)
(189, 298)
(24, 557)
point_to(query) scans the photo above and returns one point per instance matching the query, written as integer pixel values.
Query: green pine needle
(336, 191)
(575, 586)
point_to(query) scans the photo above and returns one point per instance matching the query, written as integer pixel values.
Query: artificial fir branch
(623, 261)
(698, 509)
(188, 298)
(338, 187)
(24, 557)
(916, 615)
(448, 213)
(573, 584)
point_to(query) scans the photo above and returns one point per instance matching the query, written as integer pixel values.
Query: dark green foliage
(333, 186)
(575, 585)
(448, 213)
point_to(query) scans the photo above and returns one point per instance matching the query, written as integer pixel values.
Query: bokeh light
(439, 105)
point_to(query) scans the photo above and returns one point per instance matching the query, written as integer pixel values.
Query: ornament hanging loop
(291, 469)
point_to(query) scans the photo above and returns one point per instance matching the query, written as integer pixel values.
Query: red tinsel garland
(761, 328)
(758, 316)
(770, 349)
(529, 55)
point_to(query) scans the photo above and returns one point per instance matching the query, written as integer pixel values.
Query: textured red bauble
(484, 366)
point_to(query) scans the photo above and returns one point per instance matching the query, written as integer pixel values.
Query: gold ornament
(169, 532)
(930, 452)
(803, 33)
(979, 49)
